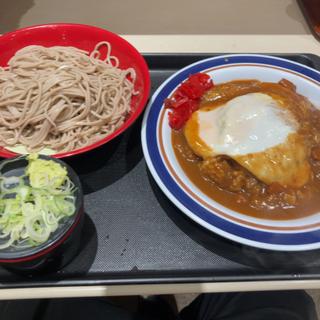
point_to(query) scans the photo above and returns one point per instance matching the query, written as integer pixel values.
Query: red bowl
(84, 37)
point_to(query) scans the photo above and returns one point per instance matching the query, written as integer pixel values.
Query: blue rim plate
(286, 235)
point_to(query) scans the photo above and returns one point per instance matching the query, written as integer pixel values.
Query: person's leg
(154, 308)
(62, 309)
(275, 305)
(19, 309)
(84, 309)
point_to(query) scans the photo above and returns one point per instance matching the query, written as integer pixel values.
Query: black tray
(133, 234)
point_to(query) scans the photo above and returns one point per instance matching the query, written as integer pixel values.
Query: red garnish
(179, 116)
(186, 99)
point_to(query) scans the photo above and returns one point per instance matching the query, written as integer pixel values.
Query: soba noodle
(62, 98)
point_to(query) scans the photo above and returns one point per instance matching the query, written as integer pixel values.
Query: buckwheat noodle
(62, 98)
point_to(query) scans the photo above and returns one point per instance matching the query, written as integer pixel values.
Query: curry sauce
(227, 182)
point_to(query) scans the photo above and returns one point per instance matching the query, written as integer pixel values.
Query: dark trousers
(284, 305)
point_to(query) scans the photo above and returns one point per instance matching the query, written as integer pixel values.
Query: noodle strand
(62, 98)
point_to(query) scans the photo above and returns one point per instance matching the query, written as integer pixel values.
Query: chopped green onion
(31, 212)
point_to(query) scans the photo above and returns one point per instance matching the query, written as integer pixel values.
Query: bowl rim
(5, 153)
(48, 246)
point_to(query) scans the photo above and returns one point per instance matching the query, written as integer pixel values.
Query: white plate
(286, 235)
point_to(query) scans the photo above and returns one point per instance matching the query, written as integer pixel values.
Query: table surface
(273, 26)
(259, 17)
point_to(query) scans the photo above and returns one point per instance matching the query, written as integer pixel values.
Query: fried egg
(258, 132)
